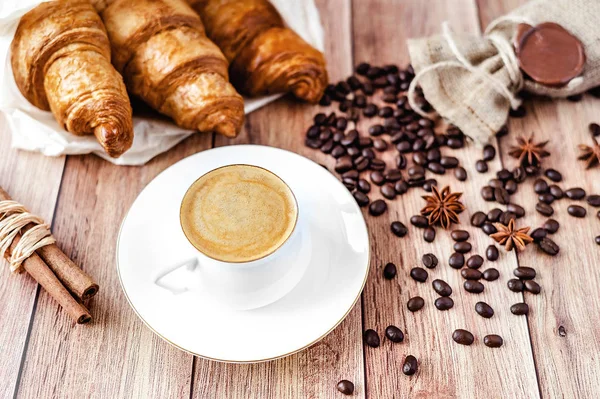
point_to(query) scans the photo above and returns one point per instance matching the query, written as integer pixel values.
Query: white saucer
(151, 239)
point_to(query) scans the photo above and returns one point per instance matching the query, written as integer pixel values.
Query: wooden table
(554, 352)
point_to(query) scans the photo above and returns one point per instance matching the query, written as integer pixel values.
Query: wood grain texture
(33, 180)
(447, 370)
(564, 319)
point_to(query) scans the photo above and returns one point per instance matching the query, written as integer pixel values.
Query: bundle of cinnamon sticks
(60, 277)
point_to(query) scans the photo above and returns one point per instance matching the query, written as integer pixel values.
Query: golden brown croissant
(60, 58)
(265, 56)
(167, 60)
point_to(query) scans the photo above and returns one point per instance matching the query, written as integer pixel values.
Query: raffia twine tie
(13, 217)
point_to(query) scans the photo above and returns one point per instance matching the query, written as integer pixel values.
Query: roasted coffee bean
(385, 112)
(419, 274)
(532, 170)
(416, 303)
(594, 200)
(459, 235)
(371, 338)
(489, 152)
(444, 303)
(343, 164)
(373, 72)
(556, 191)
(484, 310)
(313, 143)
(470, 274)
(377, 207)
(457, 260)
(377, 164)
(377, 178)
(361, 163)
(363, 185)
(325, 101)
(487, 193)
(594, 129)
(506, 217)
(313, 132)
(460, 173)
(327, 147)
(493, 341)
(491, 274)
(532, 286)
(478, 219)
(410, 365)
(360, 101)
(491, 253)
(401, 161)
(515, 285)
(349, 183)
(430, 261)
(387, 190)
(575, 193)
(597, 239)
(549, 246)
(365, 143)
(399, 229)
(429, 234)
(380, 144)
(501, 195)
(341, 123)
(391, 125)
(462, 247)
(553, 175)
(319, 119)
(519, 309)
(376, 130)
(370, 110)
(361, 198)
(353, 152)
(496, 183)
(540, 186)
(489, 228)
(518, 210)
(474, 287)
(494, 215)
(463, 337)
(345, 387)
(504, 175)
(436, 168)
(551, 226)
(367, 88)
(389, 98)
(401, 187)
(544, 209)
(524, 273)
(434, 155)
(338, 151)
(576, 211)
(394, 334)
(389, 271)
(416, 171)
(519, 174)
(546, 198)
(420, 158)
(474, 262)
(511, 186)
(455, 143)
(428, 184)
(350, 138)
(404, 146)
(351, 174)
(393, 175)
(449, 162)
(538, 234)
(441, 287)
(419, 221)
(481, 166)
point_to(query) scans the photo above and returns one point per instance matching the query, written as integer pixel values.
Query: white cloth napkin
(35, 130)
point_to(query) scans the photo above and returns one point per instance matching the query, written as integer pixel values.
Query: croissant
(60, 58)
(265, 56)
(161, 48)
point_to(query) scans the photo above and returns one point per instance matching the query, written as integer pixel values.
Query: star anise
(527, 152)
(442, 207)
(510, 236)
(590, 154)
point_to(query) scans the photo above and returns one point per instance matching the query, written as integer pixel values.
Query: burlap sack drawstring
(13, 217)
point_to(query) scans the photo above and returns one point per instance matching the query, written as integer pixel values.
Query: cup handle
(190, 266)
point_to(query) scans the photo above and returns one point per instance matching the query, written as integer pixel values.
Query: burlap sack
(472, 81)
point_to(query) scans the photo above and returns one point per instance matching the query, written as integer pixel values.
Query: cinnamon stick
(73, 277)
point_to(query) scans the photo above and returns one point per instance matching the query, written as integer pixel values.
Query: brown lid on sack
(548, 53)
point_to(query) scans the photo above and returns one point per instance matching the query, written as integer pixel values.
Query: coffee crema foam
(238, 213)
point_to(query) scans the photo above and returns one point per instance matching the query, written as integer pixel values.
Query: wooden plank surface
(447, 370)
(565, 319)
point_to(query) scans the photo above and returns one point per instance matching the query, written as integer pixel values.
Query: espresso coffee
(238, 213)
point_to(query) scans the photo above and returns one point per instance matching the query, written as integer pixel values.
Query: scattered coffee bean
(444, 303)
(393, 175)
(419, 221)
(441, 287)
(415, 303)
(462, 247)
(387, 190)
(475, 262)
(380, 144)
(401, 187)
(491, 274)
(363, 185)
(428, 184)
(460, 173)
(576, 211)
(377, 164)
(449, 162)
(504, 175)
(361, 198)
(371, 338)
(491, 253)
(481, 166)
(484, 310)
(594, 200)
(338, 151)
(489, 228)
(470, 274)
(459, 235)
(538, 234)
(549, 246)
(493, 341)
(394, 334)
(487, 193)
(478, 219)
(551, 226)
(506, 217)
(489, 152)
(349, 183)
(343, 164)
(399, 229)
(556, 191)
(511, 186)
(519, 309)
(474, 287)
(410, 365)
(524, 273)
(594, 129)
(515, 285)
(389, 271)
(575, 193)
(540, 186)
(375, 130)
(544, 209)
(533, 287)
(501, 195)
(493, 215)
(419, 274)
(377, 207)
(345, 387)
(597, 239)
(463, 337)
(546, 198)
(457, 260)
(518, 210)
(430, 261)
(553, 175)
(429, 234)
